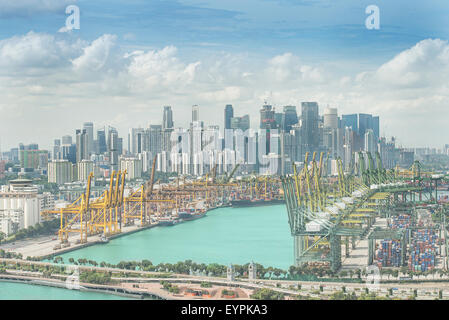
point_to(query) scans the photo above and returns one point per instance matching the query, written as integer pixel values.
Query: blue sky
(217, 46)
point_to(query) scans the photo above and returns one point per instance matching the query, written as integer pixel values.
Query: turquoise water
(225, 235)
(22, 291)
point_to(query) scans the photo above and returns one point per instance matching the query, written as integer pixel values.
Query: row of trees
(44, 228)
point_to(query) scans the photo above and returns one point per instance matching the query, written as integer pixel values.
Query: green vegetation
(10, 255)
(45, 228)
(230, 293)
(267, 294)
(206, 285)
(95, 277)
(169, 287)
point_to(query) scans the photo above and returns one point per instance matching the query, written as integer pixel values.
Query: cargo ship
(191, 214)
(255, 202)
(168, 221)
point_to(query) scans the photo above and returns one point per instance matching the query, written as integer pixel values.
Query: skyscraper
(330, 118)
(267, 120)
(89, 127)
(241, 123)
(309, 128)
(228, 115)
(289, 118)
(350, 120)
(82, 153)
(167, 122)
(370, 141)
(101, 140)
(376, 127)
(195, 113)
(66, 140)
(365, 123)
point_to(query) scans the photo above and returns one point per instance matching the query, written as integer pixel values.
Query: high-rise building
(289, 118)
(309, 125)
(241, 123)
(350, 120)
(376, 128)
(60, 171)
(84, 168)
(195, 113)
(267, 120)
(136, 140)
(133, 167)
(82, 152)
(155, 137)
(330, 118)
(101, 141)
(66, 140)
(228, 115)
(89, 127)
(167, 122)
(365, 123)
(57, 149)
(370, 141)
(33, 159)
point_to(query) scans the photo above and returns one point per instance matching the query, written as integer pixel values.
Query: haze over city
(211, 54)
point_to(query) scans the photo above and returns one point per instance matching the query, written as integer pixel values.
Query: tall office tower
(89, 127)
(113, 147)
(155, 137)
(241, 123)
(348, 146)
(211, 138)
(136, 140)
(228, 115)
(289, 117)
(68, 152)
(267, 120)
(82, 153)
(309, 130)
(365, 123)
(167, 122)
(101, 141)
(279, 118)
(370, 141)
(66, 140)
(350, 120)
(167, 128)
(112, 132)
(195, 113)
(330, 118)
(288, 150)
(376, 128)
(57, 149)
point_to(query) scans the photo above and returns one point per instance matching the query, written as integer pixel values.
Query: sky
(130, 58)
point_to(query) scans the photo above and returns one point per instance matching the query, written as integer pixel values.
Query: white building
(60, 171)
(20, 205)
(133, 167)
(84, 168)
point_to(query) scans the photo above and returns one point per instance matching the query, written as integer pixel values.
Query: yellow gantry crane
(74, 217)
(137, 204)
(106, 210)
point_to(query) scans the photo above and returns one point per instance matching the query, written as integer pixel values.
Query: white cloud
(45, 77)
(34, 52)
(160, 68)
(95, 55)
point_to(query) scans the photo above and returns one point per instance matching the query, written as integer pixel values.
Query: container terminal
(364, 216)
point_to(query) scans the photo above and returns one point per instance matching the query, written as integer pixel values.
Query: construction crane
(228, 178)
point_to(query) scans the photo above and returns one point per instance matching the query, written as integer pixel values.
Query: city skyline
(108, 75)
